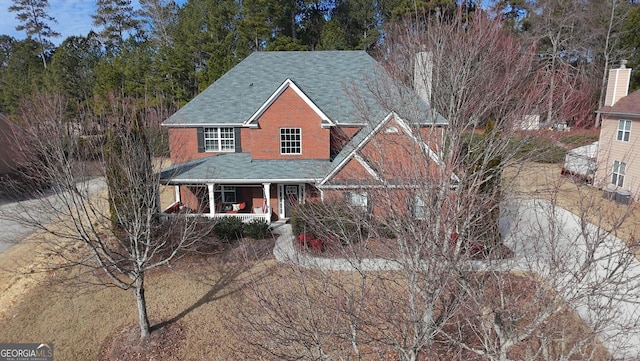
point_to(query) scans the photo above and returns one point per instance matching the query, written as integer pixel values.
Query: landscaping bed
(382, 248)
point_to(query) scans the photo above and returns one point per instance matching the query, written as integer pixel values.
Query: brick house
(282, 127)
(618, 161)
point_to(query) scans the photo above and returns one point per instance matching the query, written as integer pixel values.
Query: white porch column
(177, 193)
(212, 199)
(267, 194)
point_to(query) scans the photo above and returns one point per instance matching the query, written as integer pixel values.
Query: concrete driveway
(12, 230)
(592, 269)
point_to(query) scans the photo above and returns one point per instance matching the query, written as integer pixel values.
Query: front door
(288, 196)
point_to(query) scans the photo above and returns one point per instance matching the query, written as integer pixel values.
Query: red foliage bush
(307, 240)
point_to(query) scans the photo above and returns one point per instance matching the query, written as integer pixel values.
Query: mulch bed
(384, 248)
(163, 343)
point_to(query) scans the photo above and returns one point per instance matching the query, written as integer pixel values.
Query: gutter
(236, 181)
(633, 115)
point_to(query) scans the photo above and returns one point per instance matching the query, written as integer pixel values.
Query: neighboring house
(10, 156)
(619, 144)
(582, 162)
(282, 127)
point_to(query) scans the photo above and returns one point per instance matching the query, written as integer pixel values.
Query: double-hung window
(624, 130)
(358, 200)
(290, 141)
(219, 139)
(420, 210)
(226, 194)
(617, 176)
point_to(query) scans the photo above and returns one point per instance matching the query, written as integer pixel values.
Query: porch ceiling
(240, 168)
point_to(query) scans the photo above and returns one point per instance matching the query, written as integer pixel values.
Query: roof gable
(391, 124)
(252, 121)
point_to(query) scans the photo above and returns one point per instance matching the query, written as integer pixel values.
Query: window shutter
(237, 140)
(200, 140)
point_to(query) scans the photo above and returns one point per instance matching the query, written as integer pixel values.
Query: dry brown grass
(16, 277)
(197, 292)
(535, 180)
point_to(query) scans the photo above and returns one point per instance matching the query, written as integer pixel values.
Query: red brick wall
(183, 145)
(394, 155)
(382, 202)
(432, 136)
(253, 196)
(353, 170)
(340, 136)
(288, 111)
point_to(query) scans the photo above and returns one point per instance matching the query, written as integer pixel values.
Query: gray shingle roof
(322, 75)
(235, 168)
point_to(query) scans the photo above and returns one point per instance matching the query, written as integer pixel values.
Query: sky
(73, 16)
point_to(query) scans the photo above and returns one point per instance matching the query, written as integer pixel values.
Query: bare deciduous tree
(118, 231)
(444, 219)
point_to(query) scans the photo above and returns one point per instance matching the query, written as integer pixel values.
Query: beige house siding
(617, 85)
(611, 150)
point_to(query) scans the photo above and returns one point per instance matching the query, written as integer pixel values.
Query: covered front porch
(265, 201)
(235, 185)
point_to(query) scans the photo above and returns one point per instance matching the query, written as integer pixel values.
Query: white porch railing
(244, 217)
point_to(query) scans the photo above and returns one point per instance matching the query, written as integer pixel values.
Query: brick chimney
(422, 73)
(618, 84)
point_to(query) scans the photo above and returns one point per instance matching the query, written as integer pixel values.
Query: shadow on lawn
(218, 290)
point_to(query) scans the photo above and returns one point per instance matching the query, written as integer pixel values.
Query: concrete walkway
(593, 270)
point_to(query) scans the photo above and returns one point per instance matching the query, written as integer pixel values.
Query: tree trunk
(142, 306)
(552, 86)
(603, 81)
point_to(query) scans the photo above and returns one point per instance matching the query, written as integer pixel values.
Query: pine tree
(117, 18)
(33, 16)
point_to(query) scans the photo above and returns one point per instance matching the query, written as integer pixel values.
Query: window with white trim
(617, 176)
(225, 194)
(358, 200)
(624, 130)
(219, 140)
(420, 210)
(290, 141)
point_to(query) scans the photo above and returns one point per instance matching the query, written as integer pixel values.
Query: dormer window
(290, 141)
(219, 140)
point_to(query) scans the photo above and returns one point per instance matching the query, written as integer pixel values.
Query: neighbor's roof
(586, 151)
(323, 76)
(629, 105)
(240, 168)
